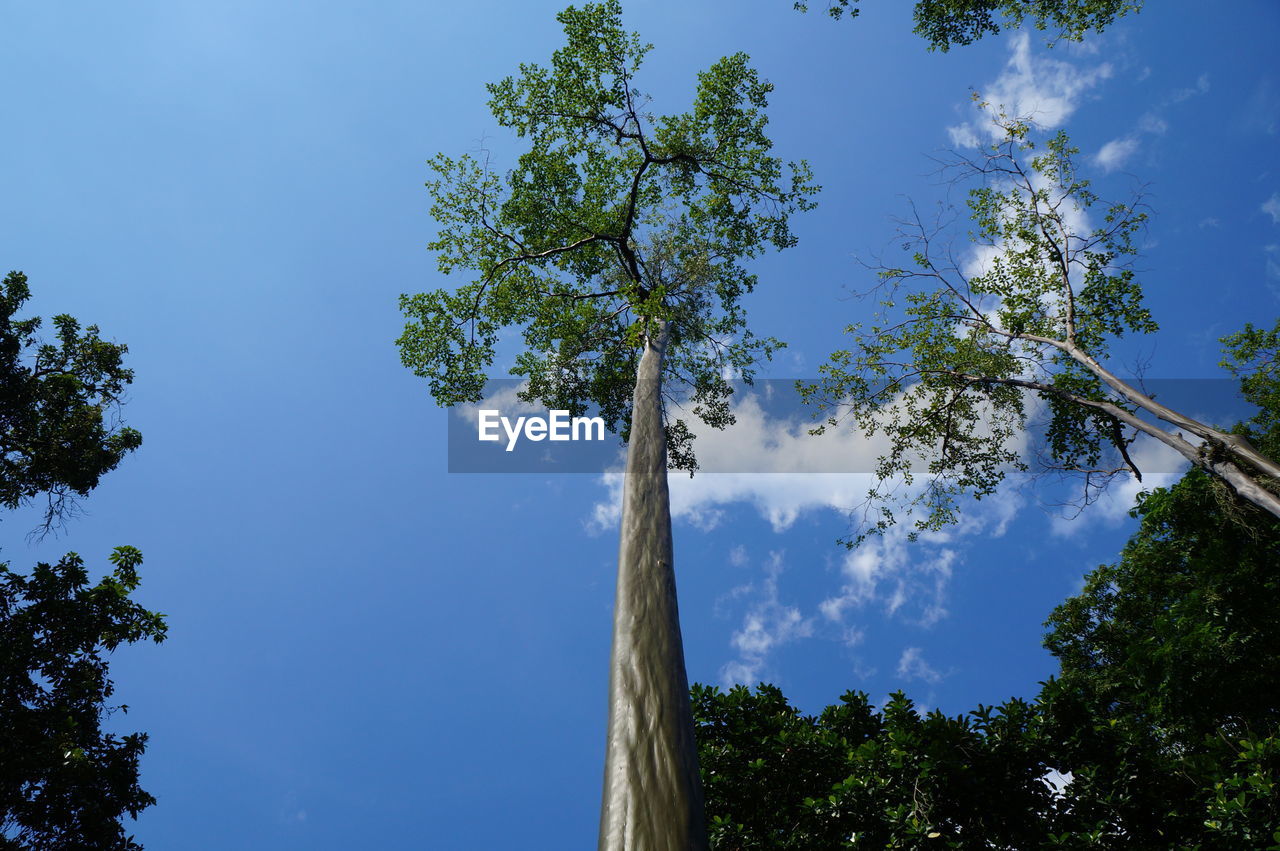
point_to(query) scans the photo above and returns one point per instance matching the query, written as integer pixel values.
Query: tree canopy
(614, 218)
(57, 401)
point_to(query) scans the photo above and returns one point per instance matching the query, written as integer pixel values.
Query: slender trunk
(652, 792)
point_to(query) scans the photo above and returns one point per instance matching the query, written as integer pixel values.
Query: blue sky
(369, 652)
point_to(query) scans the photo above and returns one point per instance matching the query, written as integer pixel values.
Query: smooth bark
(652, 791)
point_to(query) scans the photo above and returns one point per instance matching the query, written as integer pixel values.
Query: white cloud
(791, 471)
(767, 624)
(1034, 87)
(1272, 207)
(1116, 153)
(912, 666)
(910, 579)
(963, 136)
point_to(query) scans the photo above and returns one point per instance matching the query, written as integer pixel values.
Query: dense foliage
(65, 782)
(861, 778)
(1167, 707)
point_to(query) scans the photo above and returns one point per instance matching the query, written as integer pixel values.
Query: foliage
(857, 778)
(963, 353)
(1252, 356)
(944, 23)
(1170, 671)
(55, 434)
(64, 783)
(613, 219)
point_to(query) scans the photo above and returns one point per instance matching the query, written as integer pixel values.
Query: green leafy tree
(945, 23)
(948, 369)
(1166, 707)
(64, 782)
(57, 436)
(615, 245)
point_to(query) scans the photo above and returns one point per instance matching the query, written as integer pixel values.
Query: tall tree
(616, 246)
(945, 23)
(64, 782)
(947, 377)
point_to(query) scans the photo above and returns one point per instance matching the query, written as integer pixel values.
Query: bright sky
(368, 652)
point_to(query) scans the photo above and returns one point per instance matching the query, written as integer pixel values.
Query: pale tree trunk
(652, 792)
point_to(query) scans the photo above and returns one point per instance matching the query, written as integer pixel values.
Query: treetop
(613, 218)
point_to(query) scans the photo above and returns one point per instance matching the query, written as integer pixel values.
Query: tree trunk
(652, 792)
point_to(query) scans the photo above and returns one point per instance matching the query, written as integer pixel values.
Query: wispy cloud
(1116, 153)
(1201, 87)
(1271, 251)
(767, 625)
(1032, 86)
(912, 666)
(1271, 207)
(910, 579)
